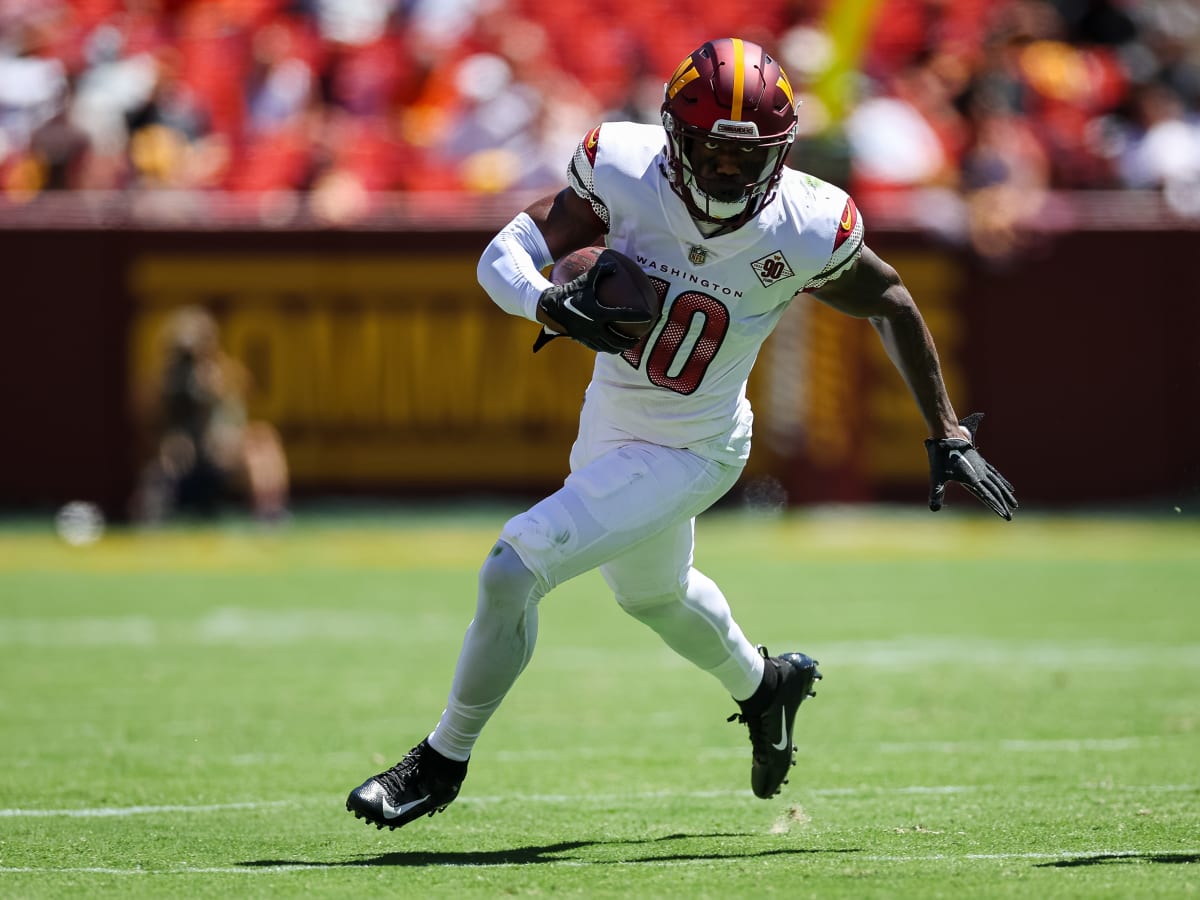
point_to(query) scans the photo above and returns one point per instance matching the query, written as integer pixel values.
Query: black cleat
(771, 729)
(421, 784)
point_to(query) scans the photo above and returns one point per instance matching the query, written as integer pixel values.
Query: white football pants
(629, 509)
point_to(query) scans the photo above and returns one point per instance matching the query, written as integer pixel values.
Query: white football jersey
(685, 384)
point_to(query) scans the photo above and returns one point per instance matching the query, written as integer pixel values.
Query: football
(628, 286)
(574, 264)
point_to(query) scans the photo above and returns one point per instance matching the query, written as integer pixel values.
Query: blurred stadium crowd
(997, 100)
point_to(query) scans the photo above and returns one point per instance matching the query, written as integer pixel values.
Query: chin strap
(715, 207)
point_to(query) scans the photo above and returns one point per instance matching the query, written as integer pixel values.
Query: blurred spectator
(1167, 48)
(353, 22)
(170, 141)
(1162, 148)
(110, 87)
(204, 450)
(444, 24)
(284, 110)
(283, 80)
(1066, 88)
(909, 135)
(60, 150)
(492, 125)
(511, 117)
(1005, 175)
(32, 88)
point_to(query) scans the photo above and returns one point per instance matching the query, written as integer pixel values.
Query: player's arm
(510, 268)
(566, 222)
(510, 271)
(872, 289)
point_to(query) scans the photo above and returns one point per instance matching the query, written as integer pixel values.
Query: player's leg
(656, 583)
(606, 506)
(497, 647)
(624, 497)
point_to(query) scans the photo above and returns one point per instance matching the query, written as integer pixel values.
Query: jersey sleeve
(847, 245)
(581, 174)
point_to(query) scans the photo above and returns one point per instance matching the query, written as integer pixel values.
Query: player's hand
(955, 459)
(576, 308)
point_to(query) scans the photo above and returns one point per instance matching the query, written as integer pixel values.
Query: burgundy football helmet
(727, 98)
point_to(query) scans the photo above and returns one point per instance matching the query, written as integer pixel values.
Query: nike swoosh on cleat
(783, 739)
(393, 812)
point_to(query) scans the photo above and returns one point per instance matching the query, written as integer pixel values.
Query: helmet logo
(684, 74)
(784, 85)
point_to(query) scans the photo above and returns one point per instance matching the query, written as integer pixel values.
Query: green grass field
(1008, 710)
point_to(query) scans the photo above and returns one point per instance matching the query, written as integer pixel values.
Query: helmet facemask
(709, 190)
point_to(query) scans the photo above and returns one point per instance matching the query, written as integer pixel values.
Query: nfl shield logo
(697, 255)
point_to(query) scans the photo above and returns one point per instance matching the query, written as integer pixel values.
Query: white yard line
(604, 799)
(103, 812)
(241, 626)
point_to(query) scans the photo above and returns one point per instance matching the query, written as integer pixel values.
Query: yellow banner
(377, 370)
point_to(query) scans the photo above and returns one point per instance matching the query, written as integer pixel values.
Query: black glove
(954, 459)
(576, 307)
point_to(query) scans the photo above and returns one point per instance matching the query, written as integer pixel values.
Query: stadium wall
(389, 372)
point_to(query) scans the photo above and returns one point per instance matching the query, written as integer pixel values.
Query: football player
(729, 236)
